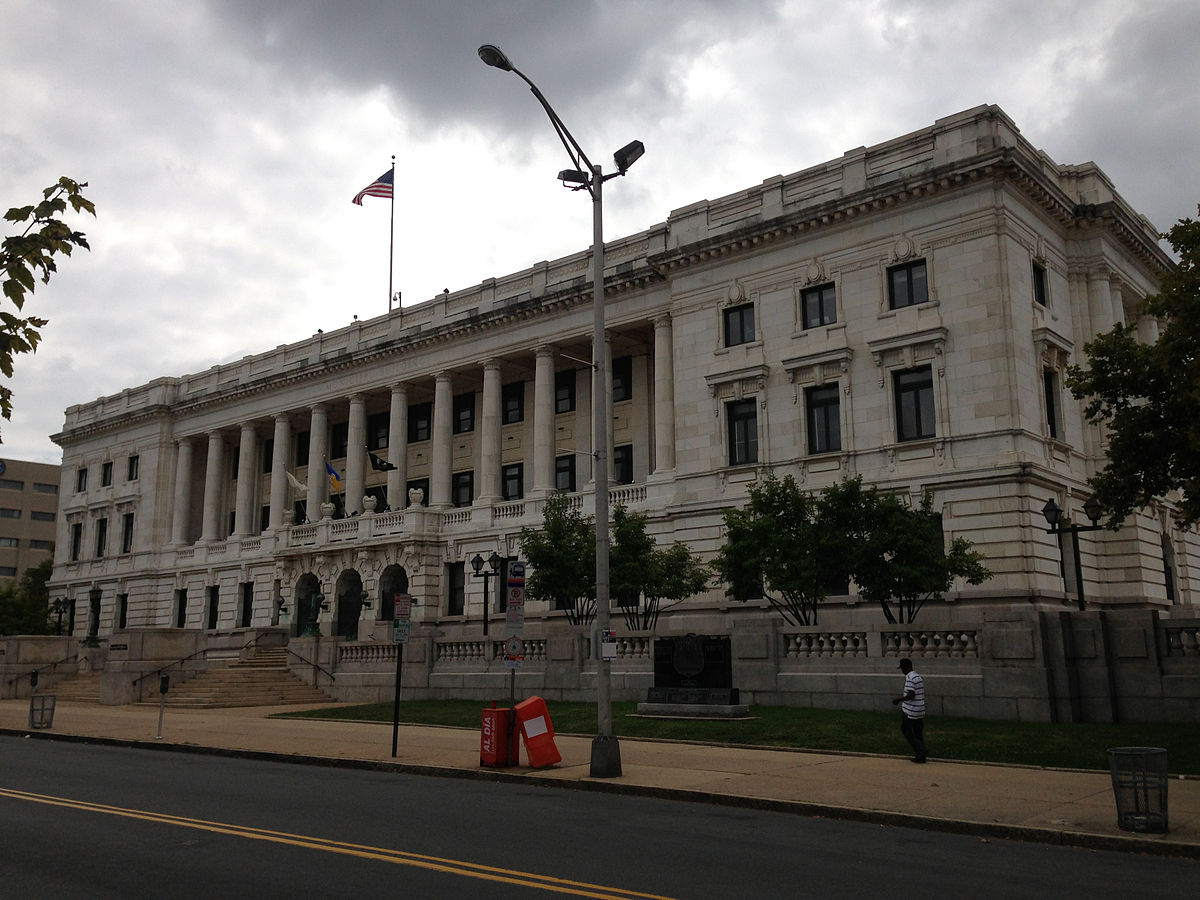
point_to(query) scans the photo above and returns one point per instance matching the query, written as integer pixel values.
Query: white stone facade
(745, 332)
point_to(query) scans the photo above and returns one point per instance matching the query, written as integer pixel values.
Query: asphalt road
(103, 822)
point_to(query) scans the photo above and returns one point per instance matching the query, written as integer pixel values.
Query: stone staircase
(263, 680)
(76, 689)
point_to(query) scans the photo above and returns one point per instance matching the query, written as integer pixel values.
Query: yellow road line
(382, 854)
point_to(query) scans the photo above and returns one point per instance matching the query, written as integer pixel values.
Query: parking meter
(33, 678)
(164, 683)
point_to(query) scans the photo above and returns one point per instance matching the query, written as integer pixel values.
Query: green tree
(27, 256)
(896, 554)
(562, 556)
(25, 607)
(779, 547)
(1148, 394)
(646, 579)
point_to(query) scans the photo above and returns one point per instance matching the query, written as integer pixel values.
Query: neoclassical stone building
(905, 313)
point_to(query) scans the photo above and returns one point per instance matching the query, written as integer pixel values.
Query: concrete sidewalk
(1053, 806)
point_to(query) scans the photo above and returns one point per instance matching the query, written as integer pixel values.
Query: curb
(988, 830)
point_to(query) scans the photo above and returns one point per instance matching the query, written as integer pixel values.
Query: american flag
(380, 187)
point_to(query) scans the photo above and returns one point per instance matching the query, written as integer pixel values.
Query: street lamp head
(494, 561)
(494, 57)
(628, 155)
(476, 563)
(1093, 509)
(573, 176)
(1052, 513)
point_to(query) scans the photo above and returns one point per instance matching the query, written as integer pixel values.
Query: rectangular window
(9, 484)
(122, 610)
(9, 513)
(235, 462)
(1041, 293)
(623, 464)
(101, 536)
(181, 608)
(742, 420)
(247, 607)
(622, 379)
(76, 540)
(462, 488)
(1053, 414)
(8, 571)
(268, 455)
(41, 488)
(818, 305)
(418, 484)
(339, 435)
(9, 542)
(463, 413)
(564, 391)
(213, 606)
(512, 403)
(81, 479)
(264, 517)
(564, 473)
(420, 422)
(914, 404)
(456, 588)
(106, 474)
(301, 450)
(739, 324)
(39, 516)
(37, 544)
(132, 467)
(379, 426)
(512, 481)
(127, 533)
(907, 285)
(823, 410)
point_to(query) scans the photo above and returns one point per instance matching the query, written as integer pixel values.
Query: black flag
(379, 464)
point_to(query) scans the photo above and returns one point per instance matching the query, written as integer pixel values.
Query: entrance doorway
(349, 604)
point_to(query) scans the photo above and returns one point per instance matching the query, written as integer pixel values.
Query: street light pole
(1054, 516)
(606, 750)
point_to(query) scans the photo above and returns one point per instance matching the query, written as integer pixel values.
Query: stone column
(243, 507)
(543, 422)
(214, 488)
(488, 477)
(356, 454)
(664, 396)
(281, 488)
(318, 481)
(443, 410)
(397, 479)
(1147, 329)
(181, 513)
(1100, 304)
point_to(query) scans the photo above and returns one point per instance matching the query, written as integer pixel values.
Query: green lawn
(1026, 743)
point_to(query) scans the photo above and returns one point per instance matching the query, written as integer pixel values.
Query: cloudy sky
(222, 141)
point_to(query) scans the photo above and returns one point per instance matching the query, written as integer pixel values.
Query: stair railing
(162, 669)
(40, 669)
(315, 665)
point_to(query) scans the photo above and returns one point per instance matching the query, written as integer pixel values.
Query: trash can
(499, 745)
(41, 710)
(1139, 779)
(538, 732)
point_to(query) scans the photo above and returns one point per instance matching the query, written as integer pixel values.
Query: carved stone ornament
(416, 496)
(904, 249)
(369, 503)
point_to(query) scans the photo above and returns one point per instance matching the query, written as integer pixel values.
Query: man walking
(912, 709)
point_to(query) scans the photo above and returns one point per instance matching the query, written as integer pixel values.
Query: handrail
(309, 662)
(39, 669)
(162, 669)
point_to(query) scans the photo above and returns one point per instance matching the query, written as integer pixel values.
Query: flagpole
(392, 235)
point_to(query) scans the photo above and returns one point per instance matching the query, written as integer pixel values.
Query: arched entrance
(393, 581)
(308, 593)
(349, 593)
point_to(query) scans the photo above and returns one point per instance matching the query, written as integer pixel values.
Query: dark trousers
(914, 732)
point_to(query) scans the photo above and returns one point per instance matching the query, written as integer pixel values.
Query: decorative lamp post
(1054, 517)
(606, 751)
(59, 607)
(477, 564)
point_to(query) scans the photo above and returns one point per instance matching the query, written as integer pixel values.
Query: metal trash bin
(41, 710)
(1139, 779)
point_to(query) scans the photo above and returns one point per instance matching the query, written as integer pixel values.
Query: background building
(28, 507)
(905, 313)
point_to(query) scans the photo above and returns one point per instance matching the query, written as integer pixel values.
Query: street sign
(514, 652)
(402, 623)
(608, 644)
(514, 619)
(404, 605)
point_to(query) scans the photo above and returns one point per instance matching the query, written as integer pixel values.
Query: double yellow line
(381, 854)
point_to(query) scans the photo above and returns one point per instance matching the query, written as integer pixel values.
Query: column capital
(317, 408)
(443, 376)
(400, 387)
(491, 365)
(662, 320)
(357, 397)
(545, 350)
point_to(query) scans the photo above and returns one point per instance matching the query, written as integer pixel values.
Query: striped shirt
(914, 708)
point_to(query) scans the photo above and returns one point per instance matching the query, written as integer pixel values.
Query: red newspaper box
(496, 734)
(538, 732)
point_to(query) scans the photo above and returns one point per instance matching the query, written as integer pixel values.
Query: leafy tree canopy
(1148, 395)
(24, 607)
(645, 579)
(562, 556)
(28, 256)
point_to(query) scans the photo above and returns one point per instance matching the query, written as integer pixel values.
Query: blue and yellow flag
(335, 480)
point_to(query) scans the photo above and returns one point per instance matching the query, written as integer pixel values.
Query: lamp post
(1054, 516)
(606, 751)
(477, 564)
(58, 607)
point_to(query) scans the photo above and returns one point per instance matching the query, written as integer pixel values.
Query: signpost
(514, 621)
(401, 629)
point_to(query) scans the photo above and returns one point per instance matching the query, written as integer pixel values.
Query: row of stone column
(488, 426)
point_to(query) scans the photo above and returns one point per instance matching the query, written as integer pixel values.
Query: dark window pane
(512, 402)
(742, 418)
(739, 324)
(622, 379)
